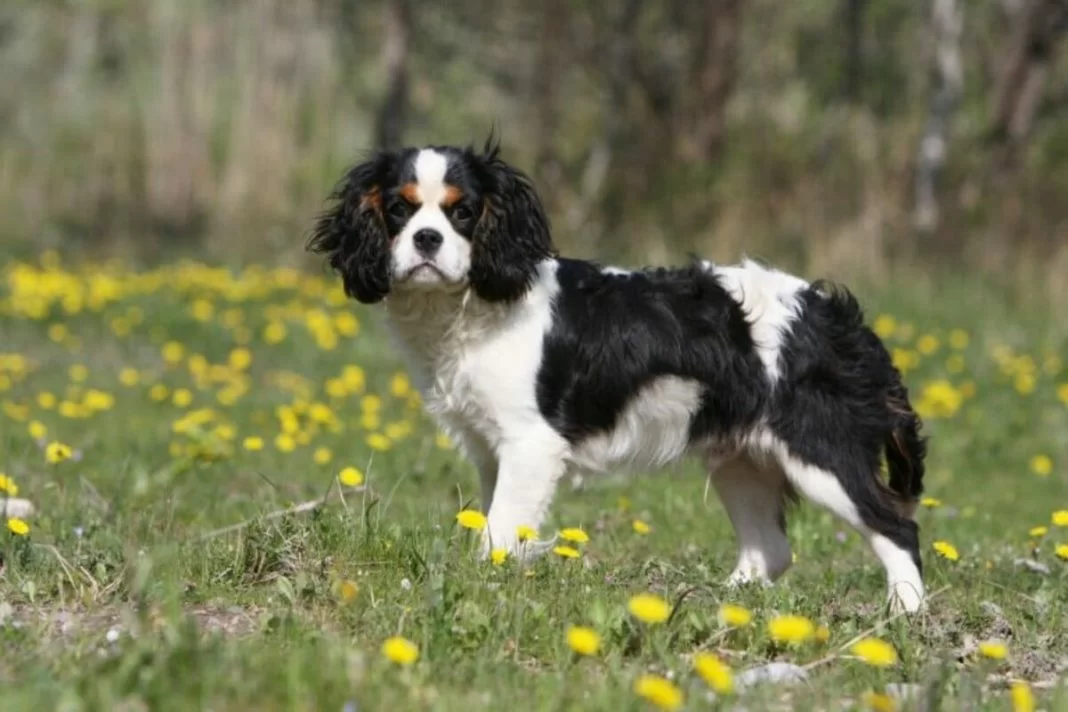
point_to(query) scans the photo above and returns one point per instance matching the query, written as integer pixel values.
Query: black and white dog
(538, 365)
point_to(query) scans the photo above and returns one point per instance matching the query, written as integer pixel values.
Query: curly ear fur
(352, 232)
(513, 235)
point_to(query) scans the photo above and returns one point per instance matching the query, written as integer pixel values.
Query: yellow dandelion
(253, 443)
(322, 456)
(129, 377)
(498, 556)
(823, 634)
(958, 339)
(1061, 551)
(400, 650)
(1038, 531)
(884, 326)
(471, 519)
(1062, 393)
(946, 550)
(18, 527)
(284, 442)
(1041, 465)
(350, 477)
(399, 385)
(182, 397)
(927, 344)
(791, 629)
(274, 333)
(240, 358)
(734, 616)
(574, 535)
(348, 591)
(566, 552)
(442, 442)
(56, 452)
(37, 430)
(582, 640)
(660, 692)
(649, 608)
(1022, 698)
(379, 442)
(878, 701)
(173, 352)
(46, 400)
(525, 533)
(931, 502)
(875, 652)
(640, 527)
(158, 392)
(714, 672)
(993, 649)
(78, 373)
(8, 485)
(1060, 518)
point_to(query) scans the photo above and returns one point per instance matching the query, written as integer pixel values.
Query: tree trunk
(392, 114)
(714, 70)
(552, 49)
(1022, 78)
(853, 77)
(946, 23)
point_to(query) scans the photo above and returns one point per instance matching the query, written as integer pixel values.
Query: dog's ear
(352, 232)
(512, 236)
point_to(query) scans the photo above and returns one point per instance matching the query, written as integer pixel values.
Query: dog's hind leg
(754, 498)
(858, 497)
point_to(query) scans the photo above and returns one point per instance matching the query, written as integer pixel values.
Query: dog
(537, 365)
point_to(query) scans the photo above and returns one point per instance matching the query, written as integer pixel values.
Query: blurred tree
(947, 80)
(392, 114)
(1038, 27)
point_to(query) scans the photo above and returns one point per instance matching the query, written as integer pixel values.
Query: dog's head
(438, 218)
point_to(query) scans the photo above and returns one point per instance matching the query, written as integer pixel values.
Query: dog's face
(439, 218)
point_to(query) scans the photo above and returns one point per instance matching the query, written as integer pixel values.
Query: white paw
(745, 576)
(524, 551)
(905, 598)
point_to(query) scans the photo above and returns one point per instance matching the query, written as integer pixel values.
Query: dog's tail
(906, 449)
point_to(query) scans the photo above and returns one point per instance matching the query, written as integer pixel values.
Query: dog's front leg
(529, 471)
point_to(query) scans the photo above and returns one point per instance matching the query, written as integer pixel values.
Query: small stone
(772, 672)
(1031, 565)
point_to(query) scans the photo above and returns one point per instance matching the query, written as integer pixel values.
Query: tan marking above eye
(410, 192)
(453, 195)
(372, 198)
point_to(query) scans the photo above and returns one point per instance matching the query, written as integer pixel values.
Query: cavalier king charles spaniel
(538, 365)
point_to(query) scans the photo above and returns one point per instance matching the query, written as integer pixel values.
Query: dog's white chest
(481, 376)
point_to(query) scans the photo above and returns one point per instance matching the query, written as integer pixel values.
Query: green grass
(130, 592)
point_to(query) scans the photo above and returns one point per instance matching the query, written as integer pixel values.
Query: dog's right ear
(352, 232)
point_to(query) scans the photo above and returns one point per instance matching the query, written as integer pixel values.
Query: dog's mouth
(422, 268)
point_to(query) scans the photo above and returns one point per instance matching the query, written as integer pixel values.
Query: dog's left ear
(512, 236)
(352, 232)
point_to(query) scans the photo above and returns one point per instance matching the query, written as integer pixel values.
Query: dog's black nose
(427, 241)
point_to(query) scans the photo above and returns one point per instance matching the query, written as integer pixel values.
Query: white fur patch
(769, 299)
(652, 430)
(430, 167)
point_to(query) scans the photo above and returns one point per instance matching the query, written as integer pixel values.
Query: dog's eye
(398, 209)
(462, 213)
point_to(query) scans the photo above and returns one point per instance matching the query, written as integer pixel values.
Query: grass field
(199, 404)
